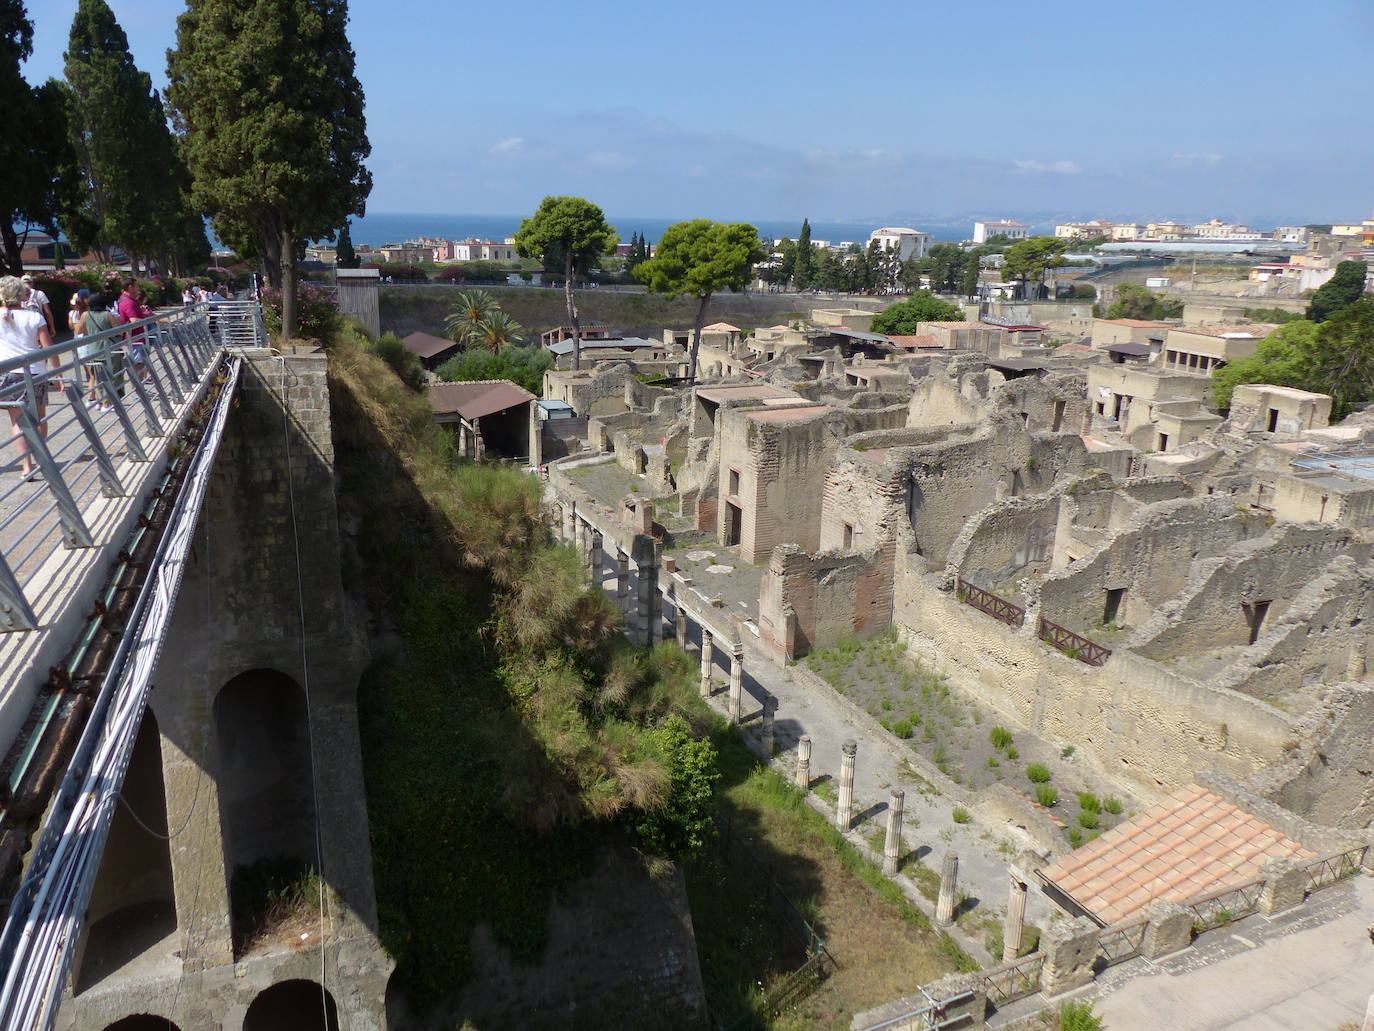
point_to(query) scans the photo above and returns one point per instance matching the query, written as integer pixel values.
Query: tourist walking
(22, 332)
(98, 318)
(131, 308)
(36, 300)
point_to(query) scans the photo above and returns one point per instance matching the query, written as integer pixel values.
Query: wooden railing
(1015, 980)
(1327, 870)
(1073, 645)
(1121, 942)
(984, 601)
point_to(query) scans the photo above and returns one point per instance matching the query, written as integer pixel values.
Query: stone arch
(132, 911)
(143, 1022)
(266, 784)
(299, 1005)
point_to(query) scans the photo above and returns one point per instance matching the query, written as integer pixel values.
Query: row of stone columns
(636, 571)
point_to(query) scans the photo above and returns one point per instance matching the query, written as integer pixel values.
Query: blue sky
(1256, 110)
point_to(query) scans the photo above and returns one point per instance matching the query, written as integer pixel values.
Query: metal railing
(1217, 908)
(81, 409)
(1327, 870)
(1073, 645)
(1015, 980)
(984, 601)
(1121, 942)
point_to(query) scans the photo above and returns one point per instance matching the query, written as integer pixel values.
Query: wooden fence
(984, 601)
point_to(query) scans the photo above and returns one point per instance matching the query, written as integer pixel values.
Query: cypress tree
(266, 95)
(1339, 292)
(804, 269)
(345, 255)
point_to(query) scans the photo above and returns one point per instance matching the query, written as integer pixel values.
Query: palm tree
(497, 330)
(471, 309)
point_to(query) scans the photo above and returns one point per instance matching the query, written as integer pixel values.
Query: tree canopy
(344, 255)
(700, 258)
(1340, 291)
(41, 178)
(522, 365)
(1029, 260)
(803, 271)
(922, 306)
(271, 111)
(571, 232)
(1334, 357)
(1135, 302)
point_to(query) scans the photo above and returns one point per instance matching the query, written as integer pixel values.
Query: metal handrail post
(75, 532)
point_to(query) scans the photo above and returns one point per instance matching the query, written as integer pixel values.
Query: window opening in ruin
(1116, 406)
(1255, 611)
(733, 518)
(142, 1022)
(1321, 515)
(293, 1006)
(1025, 418)
(1058, 416)
(848, 536)
(1101, 408)
(1273, 420)
(1017, 484)
(1164, 442)
(734, 482)
(1112, 609)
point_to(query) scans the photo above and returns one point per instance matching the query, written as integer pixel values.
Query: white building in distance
(983, 231)
(908, 243)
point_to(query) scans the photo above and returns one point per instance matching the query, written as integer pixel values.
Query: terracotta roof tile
(1192, 842)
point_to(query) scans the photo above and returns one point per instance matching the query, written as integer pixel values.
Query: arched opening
(293, 1006)
(143, 1022)
(267, 802)
(132, 913)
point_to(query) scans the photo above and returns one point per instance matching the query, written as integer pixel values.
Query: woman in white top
(22, 331)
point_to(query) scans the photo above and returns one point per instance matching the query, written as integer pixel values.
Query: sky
(1256, 111)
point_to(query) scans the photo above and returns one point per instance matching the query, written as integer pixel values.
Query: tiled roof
(720, 327)
(1192, 842)
(474, 399)
(427, 345)
(913, 340)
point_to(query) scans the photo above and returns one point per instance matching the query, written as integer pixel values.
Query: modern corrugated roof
(474, 399)
(427, 345)
(1192, 842)
(563, 347)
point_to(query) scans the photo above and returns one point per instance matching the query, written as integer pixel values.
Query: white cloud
(612, 160)
(507, 145)
(1055, 167)
(1203, 160)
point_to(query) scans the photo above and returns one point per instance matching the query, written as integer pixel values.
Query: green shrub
(1075, 837)
(993, 762)
(1079, 1016)
(960, 815)
(1038, 773)
(392, 350)
(903, 729)
(1112, 805)
(316, 313)
(524, 366)
(1046, 794)
(1000, 737)
(1088, 802)
(1066, 751)
(1013, 752)
(1087, 820)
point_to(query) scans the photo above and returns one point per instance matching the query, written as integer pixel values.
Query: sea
(388, 227)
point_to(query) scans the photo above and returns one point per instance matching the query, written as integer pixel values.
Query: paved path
(1267, 975)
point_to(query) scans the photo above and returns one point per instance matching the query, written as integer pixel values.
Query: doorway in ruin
(1111, 609)
(734, 518)
(143, 1022)
(1255, 611)
(132, 917)
(267, 799)
(293, 1006)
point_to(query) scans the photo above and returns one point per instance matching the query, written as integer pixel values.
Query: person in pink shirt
(131, 310)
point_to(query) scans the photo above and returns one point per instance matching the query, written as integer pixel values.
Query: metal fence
(1327, 870)
(1217, 908)
(1121, 942)
(78, 411)
(1015, 980)
(984, 601)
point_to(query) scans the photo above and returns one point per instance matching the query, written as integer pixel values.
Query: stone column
(949, 883)
(570, 521)
(1070, 948)
(644, 554)
(596, 555)
(804, 763)
(536, 439)
(707, 644)
(770, 706)
(1170, 929)
(844, 808)
(622, 583)
(679, 619)
(1285, 885)
(736, 680)
(1016, 918)
(892, 845)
